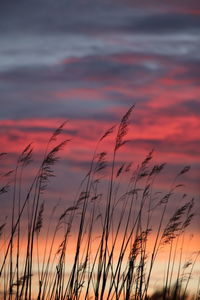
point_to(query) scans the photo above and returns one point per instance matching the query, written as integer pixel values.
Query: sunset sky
(88, 62)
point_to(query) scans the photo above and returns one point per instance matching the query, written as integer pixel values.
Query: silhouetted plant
(118, 265)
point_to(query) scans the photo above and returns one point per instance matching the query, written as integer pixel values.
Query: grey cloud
(80, 16)
(192, 106)
(21, 107)
(36, 51)
(168, 146)
(165, 23)
(26, 91)
(31, 92)
(97, 68)
(63, 16)
(191, 71)
(184, 109)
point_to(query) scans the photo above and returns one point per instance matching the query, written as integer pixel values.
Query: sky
(87, 62)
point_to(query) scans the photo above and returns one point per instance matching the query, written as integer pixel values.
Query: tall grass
(100, 247)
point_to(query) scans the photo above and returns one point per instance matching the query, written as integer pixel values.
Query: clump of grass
(110, 221)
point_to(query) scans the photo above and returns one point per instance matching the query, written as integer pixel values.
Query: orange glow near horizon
(42, 248)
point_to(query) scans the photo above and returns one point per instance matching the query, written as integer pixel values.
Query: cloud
(89, 16)
(89, 61)
(166, 23)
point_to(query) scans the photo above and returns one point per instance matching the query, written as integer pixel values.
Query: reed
(98, 247)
